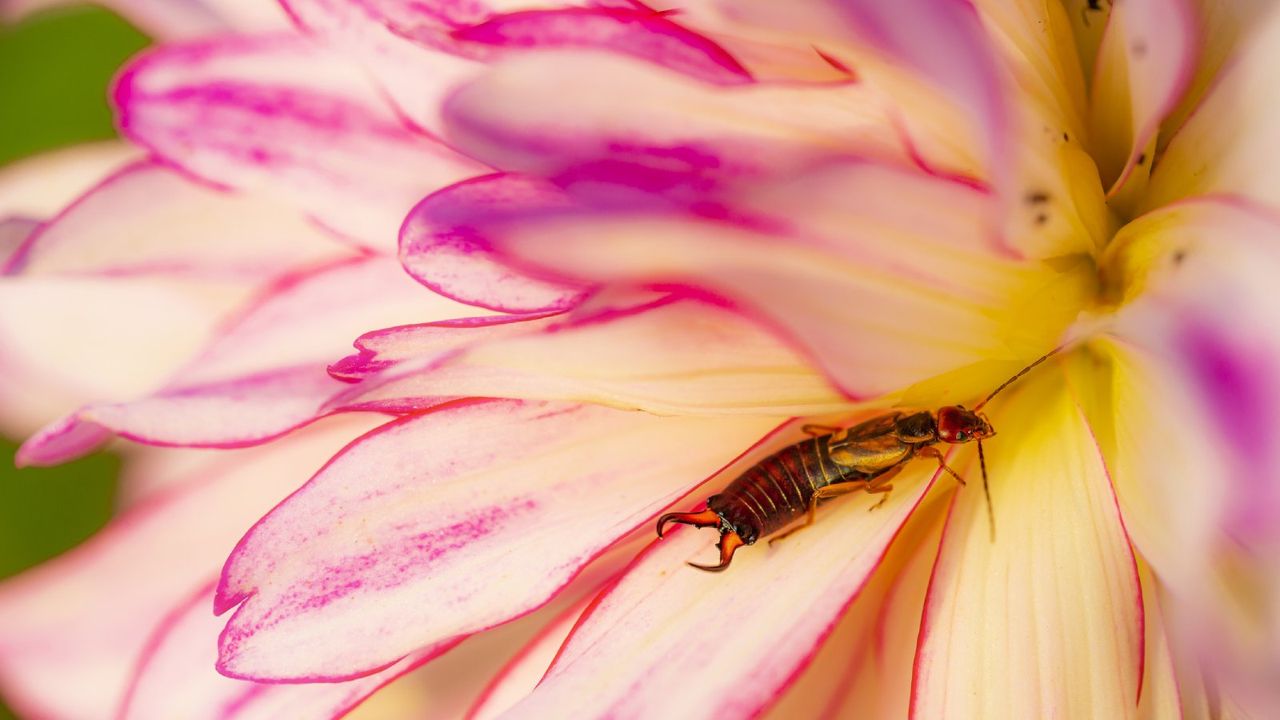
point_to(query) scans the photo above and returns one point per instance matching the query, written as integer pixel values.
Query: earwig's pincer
(706, 518)
(729, 544)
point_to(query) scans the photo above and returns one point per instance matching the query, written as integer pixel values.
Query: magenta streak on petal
(930, 596)
(1139, 597)
(153, 643)
(643, 34)
(1235, 385)
(16, 233)
(63, 440)
(223, 599)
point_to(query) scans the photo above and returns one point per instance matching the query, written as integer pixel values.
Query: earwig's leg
(729, 544)
(816, 430)
(706, 518)
(823, 493)
(936, 455)
(882, 484)
(886, 489)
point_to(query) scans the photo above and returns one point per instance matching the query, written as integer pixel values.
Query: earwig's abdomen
(778, 489)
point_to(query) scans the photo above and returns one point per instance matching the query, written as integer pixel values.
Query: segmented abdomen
(777, 490)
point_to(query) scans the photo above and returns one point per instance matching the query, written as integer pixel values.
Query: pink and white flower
(595, 259)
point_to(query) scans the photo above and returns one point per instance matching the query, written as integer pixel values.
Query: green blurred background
(54, 72)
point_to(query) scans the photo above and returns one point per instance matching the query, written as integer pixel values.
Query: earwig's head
(958, 425)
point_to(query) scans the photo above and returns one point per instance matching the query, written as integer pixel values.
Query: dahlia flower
(597, 260)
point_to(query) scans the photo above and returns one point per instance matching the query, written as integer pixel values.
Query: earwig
(790, 483)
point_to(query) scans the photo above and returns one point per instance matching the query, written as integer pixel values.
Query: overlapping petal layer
(706, 661)
(1047, 617)
(286, 118)
(265, 373)
(672, 357)
(148, 219)
(175, 678)
(442, 507)
(89, 613)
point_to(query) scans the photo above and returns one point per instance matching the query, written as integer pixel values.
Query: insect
(790, 483)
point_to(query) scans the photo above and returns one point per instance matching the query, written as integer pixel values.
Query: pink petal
(414, 76)
(175, 677)
(281, 116)
(148, 219)
(629, 116)
(442, 514)
(65, 341)
(669, 357)
(14, 231)
(683, 633)
(168, 19)
(87, 614)
(40, 186)
(443, 252)
(1046, 619)
(641, 33)
(1227, 144)
(1145, 64)
(265, 374)
(430, 342)
(943, 42)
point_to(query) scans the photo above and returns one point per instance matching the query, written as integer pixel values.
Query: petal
(1202, 318)
(175, 677)
(65, 341)
(40, 186)
(630, 31)
(1193, 372)
(148, 219)
(428, 343)
(282, 116)
(681, 125)
(671, 358)
(332, 583)
(442, 251)
(416, 77)
(166, 19)
(265, 373)
(1227, 144)
(87, 614)
(682, 630)
(1145, 63)
(520, 676)
(1161, 695)
(916, 48)
(1046, 618)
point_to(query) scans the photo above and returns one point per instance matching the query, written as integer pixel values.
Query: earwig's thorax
(916, 428)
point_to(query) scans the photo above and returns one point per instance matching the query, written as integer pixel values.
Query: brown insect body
(790, 483)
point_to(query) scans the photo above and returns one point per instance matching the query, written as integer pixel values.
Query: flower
(685, 227)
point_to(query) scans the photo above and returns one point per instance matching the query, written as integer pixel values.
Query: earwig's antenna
(986, 489)
(1020, 373)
